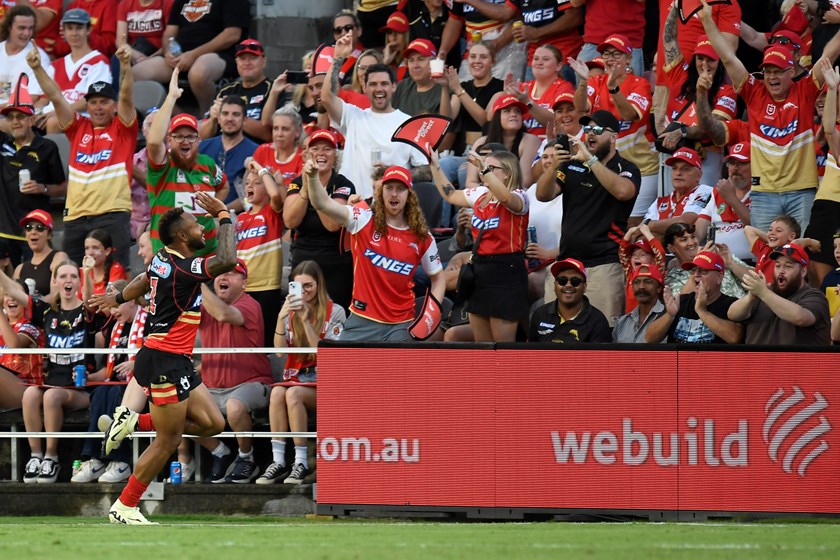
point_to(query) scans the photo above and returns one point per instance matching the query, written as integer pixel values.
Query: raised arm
(669, 38)
(138, 287)
(63, 112)
(225, 257)
(329, 93)
(13, 289)
(155, 141)
(710, 126)
(220, 311)
(497, 187)
(620, 187)
(125, 105)
(449, 193)
(829, 120)
(734, 67)
(321, 201)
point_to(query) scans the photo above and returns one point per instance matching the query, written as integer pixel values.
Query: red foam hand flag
(322, 60)
(428, 320)
(422, 130)
(687, 8)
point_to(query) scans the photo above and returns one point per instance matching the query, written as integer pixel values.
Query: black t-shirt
(43, 161)
(482, 95)
(254, 97)
(71, 328)
(311, 240)
(199, 21)
(687, 328)
(590, 325)
(593, 219)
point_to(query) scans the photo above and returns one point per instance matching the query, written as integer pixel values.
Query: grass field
(257, 538)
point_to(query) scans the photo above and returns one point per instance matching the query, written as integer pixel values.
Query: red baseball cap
(740, 151)
(423, 47)
(567, 264)
(509, 100)
(396, 22)
(792, 251)
(563, 97)
(687, 155)
(777, 55)
(707, 260)
(596, 62)
(645, 271)
(250, 46)
(704, 47)
(241, 268)
(41, 216)
(617, 41)
(397, 173)
(323, 135)
(183, 119)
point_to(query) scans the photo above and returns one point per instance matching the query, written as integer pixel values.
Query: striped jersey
(505, 232)
(259, 244)
(74, 77)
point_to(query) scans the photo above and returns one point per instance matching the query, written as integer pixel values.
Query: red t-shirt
(103, 26)
(145, 21)
(605, 17)
(47, 37)
(725, 104)
(267, 157)
(505, 232)
(546, 101)
(117, 272)
(763, 262)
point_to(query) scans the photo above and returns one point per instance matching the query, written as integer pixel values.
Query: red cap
(707, 260)
(563, 97)
(596, 62)
(740, 151)
(792, 251)
(778, 55)
(567, 264)
(397, 173)
(795, 40)
(617, 41)
(423, 47)
(508, 101)
(241, 268)
(250, 46)
(704, 47)
(183, 119)
(645, 271)
(323, 135)
(41, 216)
(687, 155)
(396, 22)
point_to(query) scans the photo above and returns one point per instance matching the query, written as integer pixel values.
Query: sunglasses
(574, 281)
(344, 29)
(789, 252)
(598, 130)
(782, 41)
(495, 167)
(37, 227)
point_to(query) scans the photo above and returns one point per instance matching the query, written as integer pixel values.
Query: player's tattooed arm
(225, 258)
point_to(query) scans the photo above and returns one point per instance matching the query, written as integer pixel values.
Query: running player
(179, 402)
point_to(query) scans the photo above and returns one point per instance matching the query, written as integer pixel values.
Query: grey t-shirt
(408, 100)
(765, 327)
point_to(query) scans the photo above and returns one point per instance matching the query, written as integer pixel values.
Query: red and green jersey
(170, 186)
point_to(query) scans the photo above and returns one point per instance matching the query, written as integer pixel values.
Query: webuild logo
(776, 433)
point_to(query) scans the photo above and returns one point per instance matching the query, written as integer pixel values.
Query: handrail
(85, 435)
(103, 351)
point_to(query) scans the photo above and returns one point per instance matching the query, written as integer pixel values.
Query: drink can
(175, 472)
(516, 24)
(23, 178)
(77, 466)
(475, 36)
(81, 375)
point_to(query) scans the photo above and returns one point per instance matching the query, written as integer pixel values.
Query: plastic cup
(436, 65)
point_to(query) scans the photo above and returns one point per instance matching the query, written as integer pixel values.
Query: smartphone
(712, 233)
(295, 289)
(297, 77)
(563, 142)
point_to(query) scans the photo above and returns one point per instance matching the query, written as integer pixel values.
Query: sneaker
(124, 515)
(275, 473)
(32, 470)
(124, 423)
(49, 471)
(244, 471)
(299, 472)
(222, 466)
(188, 470)
(90, 470)
(116, 471)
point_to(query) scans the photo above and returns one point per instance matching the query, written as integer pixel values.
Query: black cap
(101, 89)
(602, 118)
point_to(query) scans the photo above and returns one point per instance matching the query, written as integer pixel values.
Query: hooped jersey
(259, 244)
(504, 231)
(384, 266)
(546, 101)
(74, 77)
(174, 301)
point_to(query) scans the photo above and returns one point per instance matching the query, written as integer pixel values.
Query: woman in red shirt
(18, 369)
(98, 265)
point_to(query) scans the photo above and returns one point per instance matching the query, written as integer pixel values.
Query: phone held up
(295, 289)
(297, 77)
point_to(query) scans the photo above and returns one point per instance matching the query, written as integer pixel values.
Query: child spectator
(783, 231)
(639, 247)
(99, 266)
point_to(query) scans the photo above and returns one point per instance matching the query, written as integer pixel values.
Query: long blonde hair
(310, 268)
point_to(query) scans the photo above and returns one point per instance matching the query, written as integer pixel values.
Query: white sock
(39, 456)
(278, 452)
(247, 456)
(52, 457)
(300, 455)
(221, 450)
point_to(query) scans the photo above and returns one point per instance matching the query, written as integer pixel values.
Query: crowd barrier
(507, 431)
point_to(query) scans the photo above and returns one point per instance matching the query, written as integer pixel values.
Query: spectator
(38, 228)
(283, 156)
(639, 247)
(206, 46)
(605, 17)
(831, 288)
(315, 237)
(18, 370)
(698, 316)
(140, 25)
(347, 22)
(99, 266)
(780, 36)
(628, 98)
(18, 27)
(389, 242)
(301, 323)
(598, 187)
(548, 22)
(648, 286)
(433, 20)
(418, 93)
(369, 130)
(252, 86)
(680, 239)
(487, 20)
(103, 29)
(101, 148)
(259, 245)
(688, 199)
(366, 59)
(230, 148)
(547, 219)
(177, 171)
(141, 212)
(783, 231)
(47, 16)
(566, 121)
(499, 300)
(78, 70)
(787, 312)
(570, 319)
(396, 42)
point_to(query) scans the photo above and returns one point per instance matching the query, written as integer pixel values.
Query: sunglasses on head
(782, 41)
(344, 29)
(788, 252)
(38, 227)
(597, 129)
(574, 281)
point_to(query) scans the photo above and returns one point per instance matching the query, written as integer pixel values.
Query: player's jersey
(174, 301)
(384, 266)
(266, 156)
(505, 232)
(546, 101)
(666, 207)
(259, 244)
(782, 136)
(170, 186)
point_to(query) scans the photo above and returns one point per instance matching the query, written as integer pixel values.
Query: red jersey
(737, 131)
(266, 156)
(763, 262)
(725, 104)
(75, 77)
(47, 37)
(147, 22)
(546, 101)
(625, 254)
(605, 17)
(28, 367)
(259, 244)
(383, 267)
(103, 26)
(670, 206)
(116, 272)
(504, 231)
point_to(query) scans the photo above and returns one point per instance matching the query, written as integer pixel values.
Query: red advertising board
(658, 430)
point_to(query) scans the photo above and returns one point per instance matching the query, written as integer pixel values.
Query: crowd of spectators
(588, 197)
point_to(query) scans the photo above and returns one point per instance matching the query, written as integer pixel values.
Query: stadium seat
(430, 202)
(147, 94)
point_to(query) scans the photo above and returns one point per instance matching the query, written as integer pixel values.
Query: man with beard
(598, 194)
(647, 285)
(789, 311)
(175, 175)
(230, 149)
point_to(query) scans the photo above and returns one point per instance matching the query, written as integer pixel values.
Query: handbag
(466, 276)
(674, 125)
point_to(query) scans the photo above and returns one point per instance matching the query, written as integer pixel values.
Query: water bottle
(23, 178)
(532, 238)
(174, 47)
(30, 285)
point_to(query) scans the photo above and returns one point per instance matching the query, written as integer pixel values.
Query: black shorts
(165, 377)
(825, 221)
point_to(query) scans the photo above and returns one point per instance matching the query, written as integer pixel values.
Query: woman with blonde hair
(283, 156)
(367, 59)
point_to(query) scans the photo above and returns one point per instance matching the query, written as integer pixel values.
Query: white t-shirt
(547, 217)
(80, 75)
(730, 229)
(365, 131)
(12, 65)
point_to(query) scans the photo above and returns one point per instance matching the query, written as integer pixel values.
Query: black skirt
(501, 287)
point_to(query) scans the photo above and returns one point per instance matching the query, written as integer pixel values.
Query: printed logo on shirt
(790, 105)
(160, 268)
(251, 233)
(91, 159)
(727, 103)
(376, 237)
(537, 16)
(773, 132)
(770, 109)
(478, 223)
(389, 264)
(86, 138)
(194, 10)
(195, 267)
(641, 100)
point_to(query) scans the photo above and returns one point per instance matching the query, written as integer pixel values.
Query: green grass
(257, 538)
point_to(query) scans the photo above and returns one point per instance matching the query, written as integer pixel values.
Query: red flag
(322, 60)
(688, 8)
(428, 320)
(421, 130)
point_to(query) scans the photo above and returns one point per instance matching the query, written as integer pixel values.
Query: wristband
(460, 93)
(592, 161)
(224, 221)
(119, 298)
(223, 214)
(262, 172)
